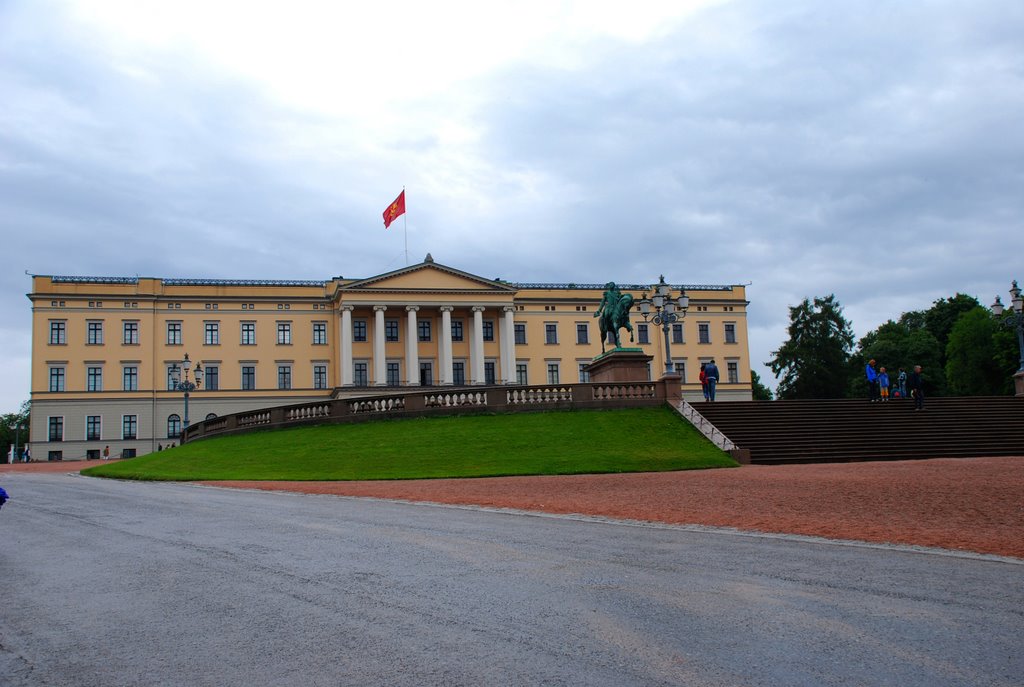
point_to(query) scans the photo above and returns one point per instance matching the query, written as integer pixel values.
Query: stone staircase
(854, 430)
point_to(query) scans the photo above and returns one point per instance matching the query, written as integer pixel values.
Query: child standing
(883, 384)
(901, 382)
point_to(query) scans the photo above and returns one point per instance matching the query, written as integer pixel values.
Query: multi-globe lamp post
(1014, 320)
(16, 428)
(667, 311)
(183, 383)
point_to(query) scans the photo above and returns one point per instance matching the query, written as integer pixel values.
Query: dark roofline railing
(627, 287)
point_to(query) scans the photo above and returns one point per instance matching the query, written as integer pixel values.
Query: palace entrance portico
(426, 324)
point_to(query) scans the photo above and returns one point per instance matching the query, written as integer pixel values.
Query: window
(426, 374)
(677, 333)
(456, 330)
(520, 332)
(424, 327)
(211, 377)
(319, 333)
(92, 427)
(212, 335)
(553, 373)
(174, 333)
(58, 333)
(391, 330)
(359, 330)
(680, 366)
(94, 379)
(55, 429)
(248, 333)
(284, 376)
(284, 333)
(643, 334)
(319, 376)
(550, 332)
(129, 426)
(56, 379)
(94, 333)
(130, 336)
(248, 377)
(489, 375)
(521, 375)
(488, 330)
(170, 377)
(459, 373)
(394, 373)
(730, 332)
(360, 377)
(211, 416)
(584, 374)
(582, 333)
(173, 426)
(733, 371)
(130, 378)
(703, 332)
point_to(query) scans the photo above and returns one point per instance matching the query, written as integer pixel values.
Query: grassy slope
(640, 440)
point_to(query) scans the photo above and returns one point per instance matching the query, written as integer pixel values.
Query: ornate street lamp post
(184, 384)
(665, 314)
(14, 454)
(1014, 320)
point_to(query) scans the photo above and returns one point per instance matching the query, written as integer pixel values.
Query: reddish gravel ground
(974, 504)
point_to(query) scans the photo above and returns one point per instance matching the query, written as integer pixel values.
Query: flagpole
(405, 228)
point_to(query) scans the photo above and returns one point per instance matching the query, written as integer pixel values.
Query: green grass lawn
(551, 443)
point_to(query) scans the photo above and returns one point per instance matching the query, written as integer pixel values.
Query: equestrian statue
(614, 314)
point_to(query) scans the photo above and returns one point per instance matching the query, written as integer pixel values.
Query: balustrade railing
(497, 399)
(704, 426)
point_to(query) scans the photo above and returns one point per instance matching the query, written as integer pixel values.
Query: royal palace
(108, 353)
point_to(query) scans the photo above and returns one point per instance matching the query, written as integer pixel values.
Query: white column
(446, 373)
(412, 338)
(507, 346)
(346, 345)
(476, 351)
(379, 374)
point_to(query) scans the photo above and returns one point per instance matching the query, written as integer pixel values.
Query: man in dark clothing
(711, 373)
(916, 386)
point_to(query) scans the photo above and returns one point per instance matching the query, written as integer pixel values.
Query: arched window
(210, 416)
(173, 426)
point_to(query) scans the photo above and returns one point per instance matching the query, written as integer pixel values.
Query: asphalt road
(108, 583)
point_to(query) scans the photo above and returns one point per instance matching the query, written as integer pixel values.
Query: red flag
(395, 209)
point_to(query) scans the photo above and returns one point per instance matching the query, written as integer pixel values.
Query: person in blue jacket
(711, 374)
(872, 376)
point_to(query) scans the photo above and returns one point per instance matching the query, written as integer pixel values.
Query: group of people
(881, 388)
(708, 379)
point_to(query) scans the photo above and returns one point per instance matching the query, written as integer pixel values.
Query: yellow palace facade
(105, 349)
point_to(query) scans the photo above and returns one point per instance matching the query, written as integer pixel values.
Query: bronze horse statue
(614, 314)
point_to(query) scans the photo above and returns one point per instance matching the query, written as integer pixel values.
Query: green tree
(971, 367)
(942, 316)
(813, 362)
(761, 392)
(8, 420)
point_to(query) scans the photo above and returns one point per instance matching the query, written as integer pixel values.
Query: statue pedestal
(620, 365)
(1018, 384)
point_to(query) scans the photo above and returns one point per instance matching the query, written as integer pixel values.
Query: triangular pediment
(427, 276)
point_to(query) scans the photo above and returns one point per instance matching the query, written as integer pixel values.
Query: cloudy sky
(874, 150)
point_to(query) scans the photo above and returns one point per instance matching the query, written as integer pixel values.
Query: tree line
(961, 346)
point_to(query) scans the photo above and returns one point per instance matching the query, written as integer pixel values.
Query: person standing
(703, 376)
(106, 453)
(901, 382)
(872, 377)
(711, 373)
(883, 384)
(916, 385)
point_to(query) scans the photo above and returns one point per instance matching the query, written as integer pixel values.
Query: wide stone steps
(855, 430)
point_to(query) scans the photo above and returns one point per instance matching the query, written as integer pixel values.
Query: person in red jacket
(703, 380)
